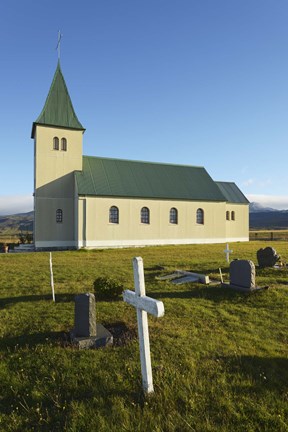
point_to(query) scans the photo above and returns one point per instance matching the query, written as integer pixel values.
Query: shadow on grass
(60, 298)
(122, 335)
(216, 294)
(33, 339)
(267, 374)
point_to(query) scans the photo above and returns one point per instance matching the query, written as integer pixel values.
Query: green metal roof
(232, 193)
(58, 109)
(124, 178)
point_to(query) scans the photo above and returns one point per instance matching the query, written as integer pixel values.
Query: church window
(227, 215)
(59, 216)
(145, 215)
(55, 143)
(200, 216)
(233, 215)
(114, 215)
(173, 216)
(64, 144)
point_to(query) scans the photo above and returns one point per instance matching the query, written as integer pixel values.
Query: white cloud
(260, 183)
(12, 204)
(279, 202)
(248, 182)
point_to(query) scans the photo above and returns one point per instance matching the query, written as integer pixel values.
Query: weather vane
(59, 43)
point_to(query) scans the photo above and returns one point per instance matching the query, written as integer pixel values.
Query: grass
(219, 358)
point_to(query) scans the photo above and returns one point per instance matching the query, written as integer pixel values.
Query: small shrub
(107, 288)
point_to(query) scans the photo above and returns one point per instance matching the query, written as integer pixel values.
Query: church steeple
(58, 109)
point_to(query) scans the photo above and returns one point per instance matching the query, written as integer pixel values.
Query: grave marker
(227, 252)
(85, 315)
(143, 304)
(242, 274)
(267, 257)
(86, 333)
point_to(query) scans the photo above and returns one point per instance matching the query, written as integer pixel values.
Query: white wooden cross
(227, 252)
(143, 304)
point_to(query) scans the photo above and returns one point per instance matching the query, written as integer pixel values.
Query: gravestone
(267, 257)
(85, 315)
(87, 333)
(242, 274)
(143, 304)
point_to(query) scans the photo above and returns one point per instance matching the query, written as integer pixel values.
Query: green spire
(58, 109)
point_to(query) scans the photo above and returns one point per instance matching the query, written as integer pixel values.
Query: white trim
(237, 239)
(155, 242)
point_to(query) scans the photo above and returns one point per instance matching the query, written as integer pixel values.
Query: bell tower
(58, 137)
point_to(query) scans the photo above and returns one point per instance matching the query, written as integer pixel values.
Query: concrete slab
(103, 338)
(171, 276)
(180, 274)
(185, 279)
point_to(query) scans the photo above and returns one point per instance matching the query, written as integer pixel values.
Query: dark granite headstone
(86, 333)
(85, 315)
(242, 274)
(267, 257)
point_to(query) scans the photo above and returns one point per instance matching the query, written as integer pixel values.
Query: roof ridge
(144, 162)
(137, 179)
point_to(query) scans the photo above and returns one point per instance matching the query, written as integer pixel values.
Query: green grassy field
(219, 358)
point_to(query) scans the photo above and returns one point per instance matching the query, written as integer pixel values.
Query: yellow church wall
(240, 222)
(54, 186)
(49, 233)
(96, 231)
(56, 164)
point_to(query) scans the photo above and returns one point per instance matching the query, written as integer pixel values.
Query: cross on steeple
(59, 43)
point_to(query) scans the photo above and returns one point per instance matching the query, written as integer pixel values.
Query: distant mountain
(261, 217)
(13, 224)
(256, 208)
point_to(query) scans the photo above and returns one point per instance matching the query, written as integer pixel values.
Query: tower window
(59, 216)
(173, 219)
(233, 215)
(227, 215)
(64, 144)
(55, 143)
(145, 215)
(200, 216)
(114, 215)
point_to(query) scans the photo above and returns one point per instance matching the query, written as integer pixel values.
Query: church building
(95, 202)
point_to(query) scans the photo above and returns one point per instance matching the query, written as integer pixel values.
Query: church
(96, 202)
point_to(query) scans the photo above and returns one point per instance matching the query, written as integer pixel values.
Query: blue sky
(186, 82)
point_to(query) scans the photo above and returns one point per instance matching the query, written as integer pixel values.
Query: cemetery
(206, 353)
